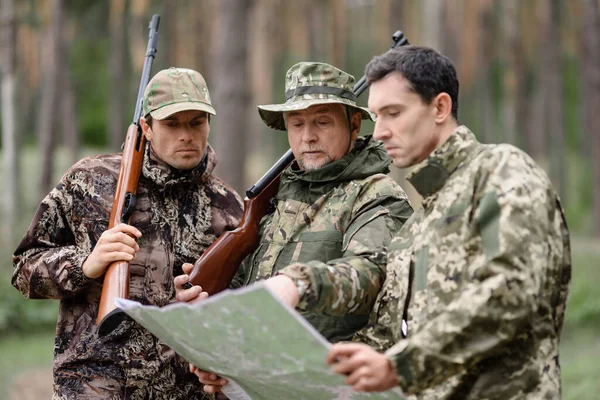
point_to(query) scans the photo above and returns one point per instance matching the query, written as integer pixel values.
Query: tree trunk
(67, 99)
(338, 34)
(591, 95)
(537, 132)
(554, 112)
(203, 21)
(50, 103)
(261, 145)
(486, 36)
(511, 70)
(116, 69)
(316, 14)
(230, 85)
(10, 209)
(431, 28)
(137, 45)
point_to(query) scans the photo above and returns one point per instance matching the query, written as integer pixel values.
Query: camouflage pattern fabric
(176, 89)
(308, 84)
(180, 213)
(331, 228)
(483, 269)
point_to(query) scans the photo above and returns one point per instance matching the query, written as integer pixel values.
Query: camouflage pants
(95, 382)
(140, 368)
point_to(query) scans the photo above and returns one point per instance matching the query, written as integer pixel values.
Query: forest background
(529, 72)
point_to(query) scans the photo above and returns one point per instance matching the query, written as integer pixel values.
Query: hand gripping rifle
(116, 279)
(215, 269)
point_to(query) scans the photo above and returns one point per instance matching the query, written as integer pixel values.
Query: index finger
(180, 280)
(342, 350)
(126, 228)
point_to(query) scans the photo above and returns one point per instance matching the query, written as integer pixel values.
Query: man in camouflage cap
(335, 212)
(181, 209)
(477, 280)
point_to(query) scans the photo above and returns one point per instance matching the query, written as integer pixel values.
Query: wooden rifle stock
(215, 269)
(232, 247)
(116, 278)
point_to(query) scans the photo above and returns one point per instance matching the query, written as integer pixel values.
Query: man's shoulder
(376, 186)
(103, 164)
(511, 176)
(223, 195)
(507, 164)
(504, 154)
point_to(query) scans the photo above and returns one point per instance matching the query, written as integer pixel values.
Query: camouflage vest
(312, 212)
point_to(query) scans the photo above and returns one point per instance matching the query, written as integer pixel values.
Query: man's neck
(446, 130)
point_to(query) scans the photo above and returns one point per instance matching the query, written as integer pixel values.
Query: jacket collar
(430, 174)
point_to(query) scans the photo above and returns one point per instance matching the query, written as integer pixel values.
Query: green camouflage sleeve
(47, 263)
(240, 275)
(515, 223)
(350, 285)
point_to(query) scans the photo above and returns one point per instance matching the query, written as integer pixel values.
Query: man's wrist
(398, 360)
(301, 280)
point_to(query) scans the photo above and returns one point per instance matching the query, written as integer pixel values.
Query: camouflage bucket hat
(308, 84)
(176, 89)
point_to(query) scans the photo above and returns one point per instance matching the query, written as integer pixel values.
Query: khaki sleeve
(350, 285)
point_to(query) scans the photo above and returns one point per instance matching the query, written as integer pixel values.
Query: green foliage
(580, 348)
(23, 353)
(583, 309)
(89, 69)
(19, 314)
(571, 103)
(578, 193)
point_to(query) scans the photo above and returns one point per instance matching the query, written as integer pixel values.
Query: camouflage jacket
(481, 272)
(332, 226)
(180, 213)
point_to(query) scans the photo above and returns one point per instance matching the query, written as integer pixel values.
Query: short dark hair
(149, 120)
(428, 72)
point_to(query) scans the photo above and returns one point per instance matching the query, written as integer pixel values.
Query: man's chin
(185, 165)
(314, 163)
(311, 166)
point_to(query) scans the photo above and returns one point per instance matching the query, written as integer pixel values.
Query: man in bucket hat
(335, 212)
(181, 209)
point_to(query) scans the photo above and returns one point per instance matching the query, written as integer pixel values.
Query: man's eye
(171, 124)
(323, 122)
(393, 113)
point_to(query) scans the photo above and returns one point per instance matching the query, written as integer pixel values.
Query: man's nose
(380, 132)
(185, 135)
(308, 134)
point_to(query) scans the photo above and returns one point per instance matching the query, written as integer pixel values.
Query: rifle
(116, 279)
(215, 269)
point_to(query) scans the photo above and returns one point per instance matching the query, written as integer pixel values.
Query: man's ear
(146, 129)
(443, 107)
(355, 123)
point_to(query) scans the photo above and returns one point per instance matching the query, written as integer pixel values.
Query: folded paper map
(264, 348)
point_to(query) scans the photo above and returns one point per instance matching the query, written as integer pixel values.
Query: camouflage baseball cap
(176, 89)
(308, 84)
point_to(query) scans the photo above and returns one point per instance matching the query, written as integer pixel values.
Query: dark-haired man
(181, 209)
(477, 279)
